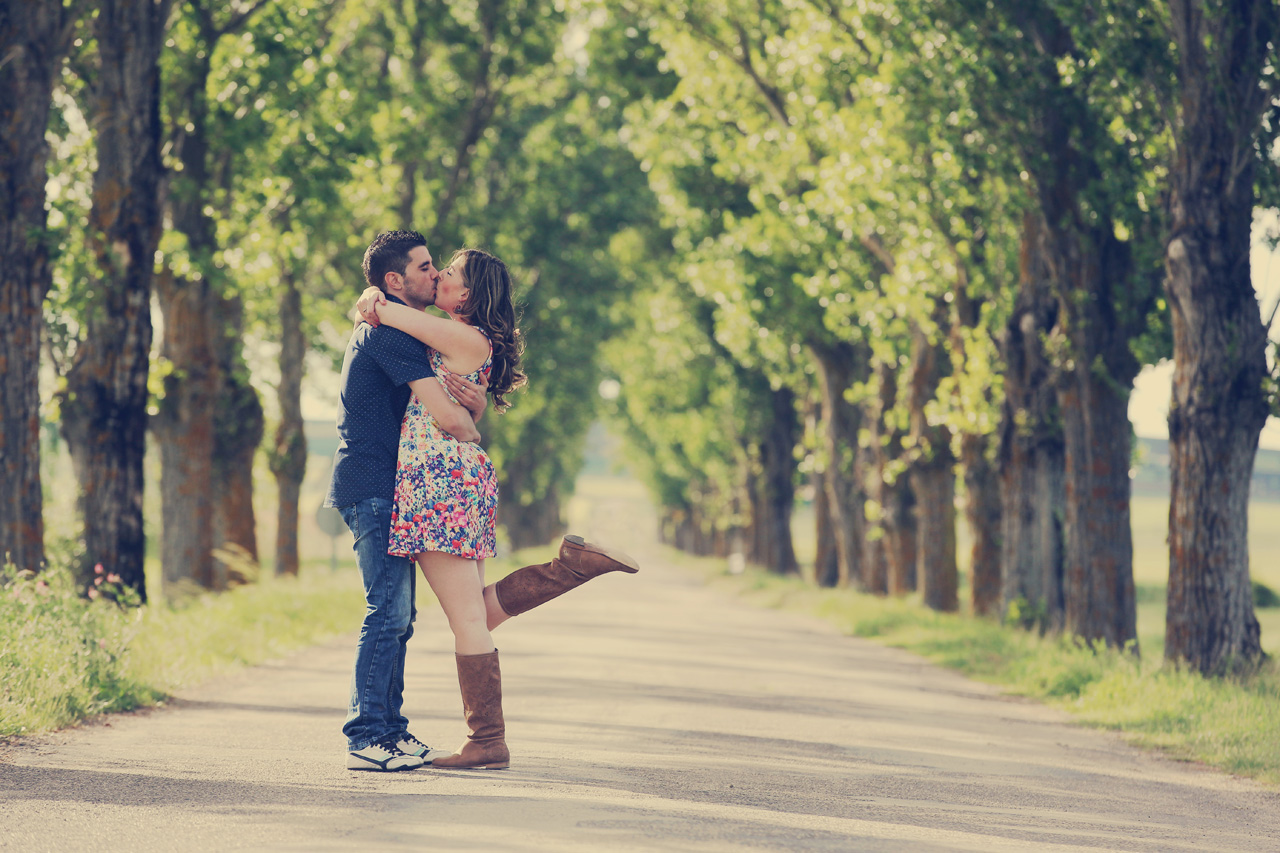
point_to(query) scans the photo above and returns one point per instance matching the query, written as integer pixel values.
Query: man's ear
(392, 281)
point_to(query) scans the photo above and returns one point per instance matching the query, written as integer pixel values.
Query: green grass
(65, 659)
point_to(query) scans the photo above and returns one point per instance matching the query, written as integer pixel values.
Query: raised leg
(578, 562)
(457, 585)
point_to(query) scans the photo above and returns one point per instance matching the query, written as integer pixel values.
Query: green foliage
(62, 655)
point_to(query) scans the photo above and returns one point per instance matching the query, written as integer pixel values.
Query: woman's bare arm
(453, 419)
(463, 348)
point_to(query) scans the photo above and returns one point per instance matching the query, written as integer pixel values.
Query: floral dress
(446, 490)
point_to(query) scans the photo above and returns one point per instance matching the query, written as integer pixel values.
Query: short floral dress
(446, 490)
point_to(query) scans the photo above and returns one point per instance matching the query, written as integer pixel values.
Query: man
(380, 369)
(381, 366)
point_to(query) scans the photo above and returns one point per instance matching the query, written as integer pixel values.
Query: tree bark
(1103, 303)
(289, 457)
(537, 523)
(239, 427)
(34, 38)
(933, 480)
(769, 541)
(982, 486)
(1094, 398)
(104, 404)
(875, 556)
(531, 514)
(1031, 453)
(183, 427)
(210, 420)
(839, 366)
(983, 513)
(891, 488)
(826, 563)
(1219, 342)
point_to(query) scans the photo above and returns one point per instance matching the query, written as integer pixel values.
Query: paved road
(645, 713)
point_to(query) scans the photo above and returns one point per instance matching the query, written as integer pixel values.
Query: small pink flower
(102, 644)
(94, 593)
(113, 578)
(97, 570)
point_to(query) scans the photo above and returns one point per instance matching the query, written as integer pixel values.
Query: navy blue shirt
(378, 365)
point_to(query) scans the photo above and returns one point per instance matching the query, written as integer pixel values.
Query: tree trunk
(1032, 455)
(33, 41)
(769, 537)
(933, 477)
(875, 557)
(934, 482)
(289, 457)
(1094, 398)
(826, 563)
(839, 366)
(184, 429)
(1219, 342)
(891, 487)
(982, 511)
(532, 518)
(104, 403)
(982, 485)
(238, 430)
(539, 522)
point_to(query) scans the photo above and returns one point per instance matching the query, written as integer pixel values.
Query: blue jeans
(377, 682)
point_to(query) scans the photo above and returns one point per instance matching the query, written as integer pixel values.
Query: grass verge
(1232, 724)
(64, 658)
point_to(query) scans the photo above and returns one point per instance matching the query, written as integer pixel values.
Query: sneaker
(410, 745)
(383, 756)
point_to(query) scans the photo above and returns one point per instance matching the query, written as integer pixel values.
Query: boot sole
(622, 559)
(503, 766)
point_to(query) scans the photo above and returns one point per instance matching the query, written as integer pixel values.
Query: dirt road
(644, 713)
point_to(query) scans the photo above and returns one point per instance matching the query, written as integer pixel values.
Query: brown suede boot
(579, 562)
(486, 746)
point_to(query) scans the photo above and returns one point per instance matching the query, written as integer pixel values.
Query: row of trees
(221, 166)
(914, 237)
(866, 243)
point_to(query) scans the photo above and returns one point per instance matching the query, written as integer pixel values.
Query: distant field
(1150, 517)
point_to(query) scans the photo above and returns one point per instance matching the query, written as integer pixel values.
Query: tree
(1075, 97)
(1226, 79)
(209, 422)
(1032, 456)
(34, 40)
(104, 404)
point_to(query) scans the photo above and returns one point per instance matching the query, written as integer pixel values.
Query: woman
(446, 491)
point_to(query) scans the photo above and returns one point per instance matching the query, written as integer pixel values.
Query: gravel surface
(644, 713)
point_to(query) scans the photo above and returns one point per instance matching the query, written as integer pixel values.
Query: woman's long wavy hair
(488, 306)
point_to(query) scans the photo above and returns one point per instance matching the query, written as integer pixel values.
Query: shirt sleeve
(402, 357)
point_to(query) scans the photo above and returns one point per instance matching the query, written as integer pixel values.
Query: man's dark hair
(389, 252)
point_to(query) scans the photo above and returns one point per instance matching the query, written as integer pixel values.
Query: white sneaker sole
(391, 765)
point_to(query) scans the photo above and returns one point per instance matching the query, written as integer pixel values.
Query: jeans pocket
(352, 519)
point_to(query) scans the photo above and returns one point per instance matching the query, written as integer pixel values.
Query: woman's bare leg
(494, 614)
(459, 589)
